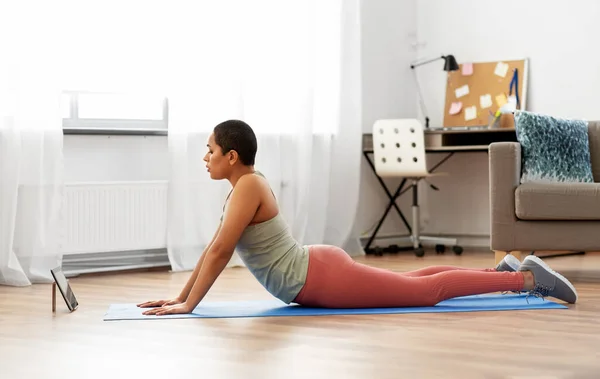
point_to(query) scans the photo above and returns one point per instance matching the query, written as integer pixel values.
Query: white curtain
(292, 71)
(31, 161)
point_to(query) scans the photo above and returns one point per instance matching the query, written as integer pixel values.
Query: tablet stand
(53, 297)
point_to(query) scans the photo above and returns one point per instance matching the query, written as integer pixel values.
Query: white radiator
(114, 217)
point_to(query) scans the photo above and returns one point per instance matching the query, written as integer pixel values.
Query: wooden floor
(34, 343)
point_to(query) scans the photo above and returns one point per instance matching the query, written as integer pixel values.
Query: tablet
(64, 288)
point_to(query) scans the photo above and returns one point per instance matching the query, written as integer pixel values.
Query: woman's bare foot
(528, 281)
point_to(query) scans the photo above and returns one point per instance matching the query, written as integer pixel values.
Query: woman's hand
(169, 310)
(160, 303)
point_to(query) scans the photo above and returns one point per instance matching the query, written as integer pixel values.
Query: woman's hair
(239, 136)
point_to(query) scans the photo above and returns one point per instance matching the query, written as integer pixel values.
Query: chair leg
(391, 197)
(416, 226)
(381, 220)
(416, 235)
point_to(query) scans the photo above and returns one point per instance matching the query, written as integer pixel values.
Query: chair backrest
(399, 148)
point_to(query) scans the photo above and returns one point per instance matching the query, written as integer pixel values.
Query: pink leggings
(335, 280)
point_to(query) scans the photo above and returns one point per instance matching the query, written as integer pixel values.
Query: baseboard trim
(470, 241)
(78, 264)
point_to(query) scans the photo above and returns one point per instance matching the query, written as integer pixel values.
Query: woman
(322, 275)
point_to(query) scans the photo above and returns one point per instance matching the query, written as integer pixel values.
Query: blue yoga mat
(273, 308)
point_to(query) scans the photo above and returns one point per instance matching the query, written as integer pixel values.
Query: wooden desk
(456, 139)
(444, 140)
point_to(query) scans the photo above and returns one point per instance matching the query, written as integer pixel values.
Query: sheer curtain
(31, 161)
(292, 71)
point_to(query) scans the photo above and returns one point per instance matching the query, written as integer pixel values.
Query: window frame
(73, 125)
(111, 126)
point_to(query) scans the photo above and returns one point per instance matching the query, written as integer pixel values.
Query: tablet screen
(64, 288)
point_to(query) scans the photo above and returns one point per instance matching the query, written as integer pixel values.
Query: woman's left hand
(169, 310)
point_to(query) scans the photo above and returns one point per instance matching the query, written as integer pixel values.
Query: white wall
(91, 158)
(389, 30)
(560, 38)
(564, 62)
(389, 35)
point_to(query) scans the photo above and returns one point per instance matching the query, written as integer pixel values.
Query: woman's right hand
(160, 303)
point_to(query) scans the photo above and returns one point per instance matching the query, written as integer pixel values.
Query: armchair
(529, 217)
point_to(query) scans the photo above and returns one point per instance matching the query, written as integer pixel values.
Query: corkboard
(483, 81)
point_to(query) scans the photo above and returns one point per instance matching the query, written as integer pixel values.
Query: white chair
(399, 151)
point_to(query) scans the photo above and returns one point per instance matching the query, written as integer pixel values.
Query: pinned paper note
(470, 113)
(511, 104)
(501, 100)
(467, 69)
(501, 69)
(455, 108)
(461, 91)
(485, 101)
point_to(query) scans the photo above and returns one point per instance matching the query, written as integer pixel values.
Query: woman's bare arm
(243, 204)
(190, 283)
(242, 207)
(188, 287)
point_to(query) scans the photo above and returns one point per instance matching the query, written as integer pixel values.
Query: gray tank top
(274, 257)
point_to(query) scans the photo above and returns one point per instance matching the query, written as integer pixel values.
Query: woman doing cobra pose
(323, 275)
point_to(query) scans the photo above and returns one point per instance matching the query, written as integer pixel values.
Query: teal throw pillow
(553, 149)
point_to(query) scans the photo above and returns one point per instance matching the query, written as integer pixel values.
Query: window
(114, 111)
(283, 82)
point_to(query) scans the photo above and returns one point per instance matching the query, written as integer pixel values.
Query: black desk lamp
(449, 65)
